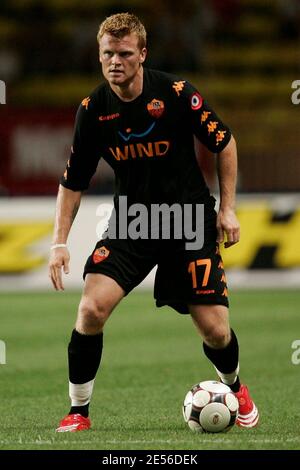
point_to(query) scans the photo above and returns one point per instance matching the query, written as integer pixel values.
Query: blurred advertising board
(268, 254)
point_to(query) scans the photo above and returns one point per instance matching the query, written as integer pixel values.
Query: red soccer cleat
(248, 413)
(73, 423)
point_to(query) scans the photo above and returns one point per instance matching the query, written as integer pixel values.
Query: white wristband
(58, 245)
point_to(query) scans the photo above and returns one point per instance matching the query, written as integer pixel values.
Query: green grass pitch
(151, 358)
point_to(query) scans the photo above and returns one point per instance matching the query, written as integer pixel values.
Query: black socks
(82, 410)
(84, 353)
(226, 359)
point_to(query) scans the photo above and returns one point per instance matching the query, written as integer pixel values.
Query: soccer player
(143, 123)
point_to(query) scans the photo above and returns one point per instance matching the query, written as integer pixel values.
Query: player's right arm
(80, 168)
(67, 206)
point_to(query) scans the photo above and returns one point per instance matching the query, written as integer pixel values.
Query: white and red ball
(210, 406)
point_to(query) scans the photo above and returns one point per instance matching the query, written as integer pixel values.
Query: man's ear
(143, 55)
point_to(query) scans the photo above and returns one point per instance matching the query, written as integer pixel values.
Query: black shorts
(183, 276)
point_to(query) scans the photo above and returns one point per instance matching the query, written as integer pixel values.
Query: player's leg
(219, 341)
(194, 282)
(221, 347)
(114, 268)
(100, 296)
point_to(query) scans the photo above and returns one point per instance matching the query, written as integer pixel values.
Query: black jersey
(148, 141)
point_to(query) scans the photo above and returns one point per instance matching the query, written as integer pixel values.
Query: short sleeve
(85, 152)
(206, 125)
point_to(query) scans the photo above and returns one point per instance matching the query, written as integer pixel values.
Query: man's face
(120, 58)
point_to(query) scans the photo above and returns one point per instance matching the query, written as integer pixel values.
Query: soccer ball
(210, 406)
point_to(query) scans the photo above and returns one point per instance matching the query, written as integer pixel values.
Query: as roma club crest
(100, 254)
(156, 108)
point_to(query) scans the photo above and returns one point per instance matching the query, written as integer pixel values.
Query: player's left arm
(217, 138)
(227, 222)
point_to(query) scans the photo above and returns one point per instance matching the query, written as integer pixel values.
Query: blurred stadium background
(243, 56)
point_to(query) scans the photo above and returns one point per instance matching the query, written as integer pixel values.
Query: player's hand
(58, 260)
(228, 226)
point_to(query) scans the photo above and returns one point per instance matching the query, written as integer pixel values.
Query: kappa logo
(85, 102)
(156, 108)
(204, 116)
(211, 126)
(100, 254)
(225, 294)
(178, 86)
(220, 136)
(109, 117)
(209, 291)
(196, 101)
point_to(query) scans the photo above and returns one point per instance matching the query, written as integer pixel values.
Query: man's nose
(115, 59)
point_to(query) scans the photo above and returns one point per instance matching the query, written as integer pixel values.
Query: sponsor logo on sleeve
(196, 101)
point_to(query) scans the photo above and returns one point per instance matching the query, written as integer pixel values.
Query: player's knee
(93, 314)
(217, 336)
